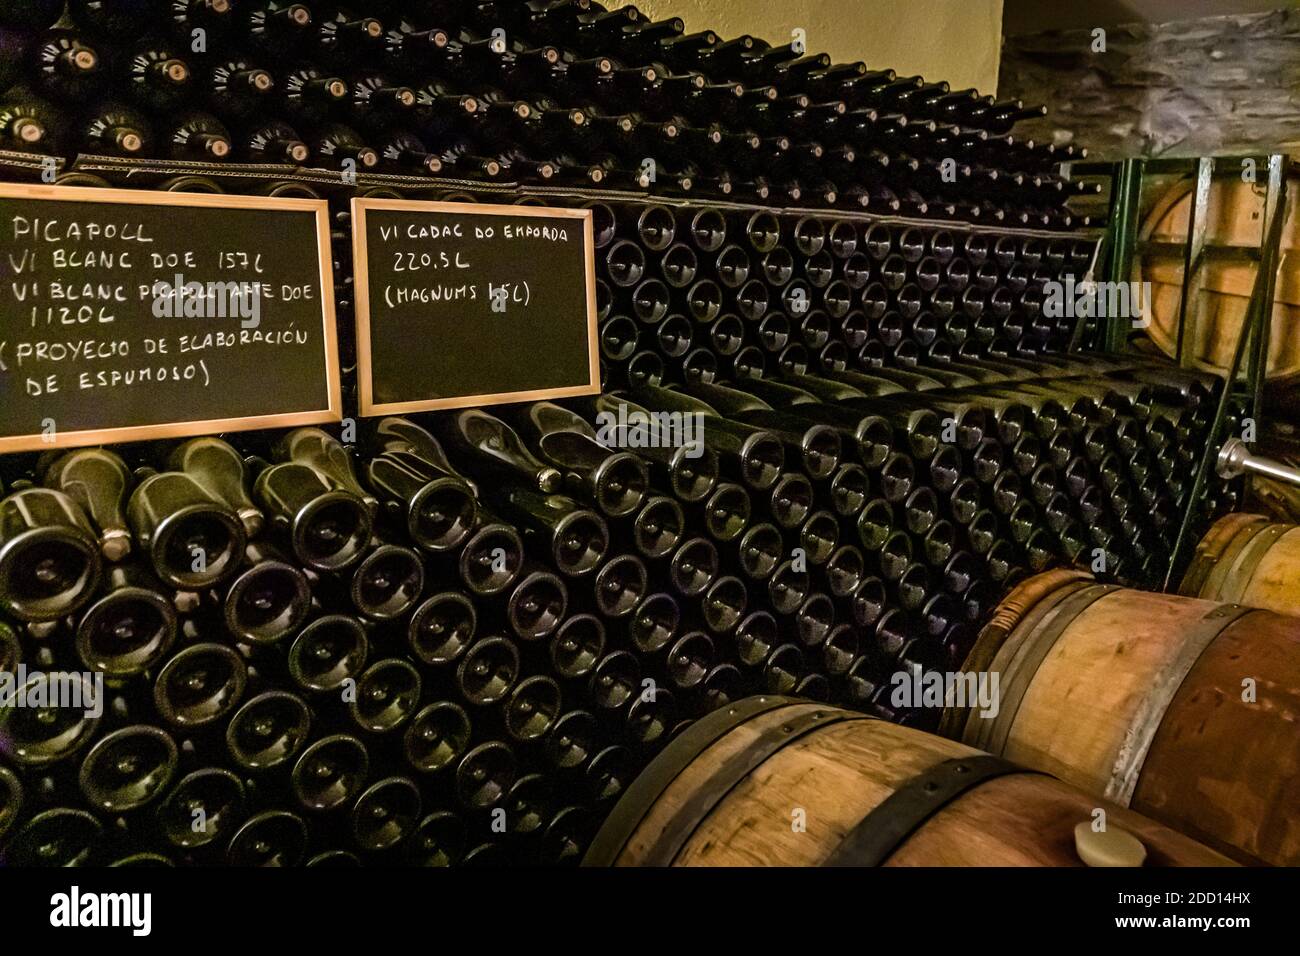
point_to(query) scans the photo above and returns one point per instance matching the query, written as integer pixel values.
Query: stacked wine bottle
(698, 293)
(558, 92)
(459, 639)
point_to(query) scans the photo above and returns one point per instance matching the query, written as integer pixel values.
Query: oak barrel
(1234, 216)
(782, 782)
(1185, 710)
(1247, 559)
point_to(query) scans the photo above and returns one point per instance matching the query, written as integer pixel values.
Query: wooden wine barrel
(1234, 216)
(1247, 559)
(783, 782)
(1186, 710)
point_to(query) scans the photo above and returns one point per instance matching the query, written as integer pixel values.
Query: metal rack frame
(1122, 244)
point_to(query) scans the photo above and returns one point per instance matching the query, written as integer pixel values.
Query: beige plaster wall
(954, 40)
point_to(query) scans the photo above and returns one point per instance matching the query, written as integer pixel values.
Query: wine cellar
(518, 433)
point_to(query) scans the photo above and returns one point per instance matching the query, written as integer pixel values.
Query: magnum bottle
(97, 480)
(788, 587)
(783, 669)
(221, 471)
(612, 28)
(50, 562)
(658, 527)
(439, 509)
(492, 558)
(237, 88)
(439, 840)
(817, 447)
(330, 772)
(402, 434)
(28, 124)
(727, 511)
(216, 18)
(537, 605)
(269, 601)
(269, 731)
(759, 550)
(388, 695)
(575, 538)
(193, 538)
(217, 794)
(131, 626)
(872, 433)
(66, 67)
(615, 682)
(327, 527)
(756, 636)
(128, 768)
(308, 96)
(693, 566)
(275, 27)
(617, 482)
(488, 446)
(531, 709)
(114, 129)
(156, 77)
(683, 462)
(751, 454)
(320, 450)
(499, 122)
(577, 645)
(442, 628)
(462, 158)
(385, 814)
(270, 838)
(403, 153)
(388, 581)
(482, 779)
(413, 47)
(60, 836)
(329, 651)
(724, 603)
(337, 145)
(274, 142)
(487, 673)
(815, 619)
(199, 686)
(437, 736)
(376, 103)
(199, 137)
(343, 39)
(654, 623)
(619, 585)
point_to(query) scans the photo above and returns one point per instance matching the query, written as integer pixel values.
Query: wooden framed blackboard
(463, 304)
(128, 315)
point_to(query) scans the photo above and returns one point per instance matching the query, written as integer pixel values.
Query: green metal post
(1126, 198)
(1275, 207)
(1193, 257)
(1257, 314)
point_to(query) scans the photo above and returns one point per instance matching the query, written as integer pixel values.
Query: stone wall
(1215, 86)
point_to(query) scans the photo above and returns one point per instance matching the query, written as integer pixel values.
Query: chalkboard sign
(129, 315)
(460, 304)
